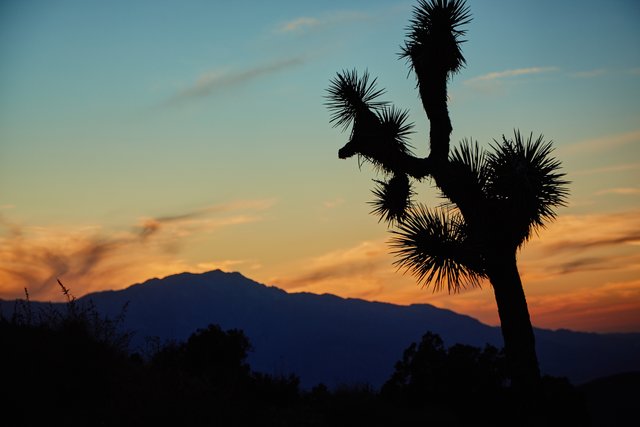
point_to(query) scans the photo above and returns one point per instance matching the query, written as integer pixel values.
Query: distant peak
(216, 271)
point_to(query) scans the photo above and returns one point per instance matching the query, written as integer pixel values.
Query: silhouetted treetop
(434, 36)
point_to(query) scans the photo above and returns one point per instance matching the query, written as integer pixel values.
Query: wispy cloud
(608, 169)
(572, 244)
(342, 267)
(334, 203)
(613, 306)
(89, 258)
(364, 270)
(622, 191)
(582, 265)
(211, 82)
(580, 273)
(606, 142)
(304, 24)
(298, 24)
(576, 233)
(497, 75)
(567, 273)
(588, 74)
(593, 243)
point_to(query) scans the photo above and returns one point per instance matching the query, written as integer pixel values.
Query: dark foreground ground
(74, 369)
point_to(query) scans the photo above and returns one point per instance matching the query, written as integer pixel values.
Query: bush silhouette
(69, 365)
(73, 377)
(434, 378)
(429, 371)
(211, 355)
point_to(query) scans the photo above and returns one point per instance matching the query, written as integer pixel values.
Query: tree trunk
(517, 332)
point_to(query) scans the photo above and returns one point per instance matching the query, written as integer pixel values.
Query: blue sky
(202, 125)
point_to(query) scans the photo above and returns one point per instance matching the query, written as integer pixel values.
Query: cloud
(89, 259)
(609, 307)
(581, 273)
(589, 74)
(582, 244)
(303, 24)
(342, 266)
(581, 250)
(497, 75)
(573, 233)
(623, 191)
(607, 169)
(211, 82)
(334, 203)
(575, 257)
(582, 264)
(206, 219)
(298, 24)
(606, 142)
(364, 270)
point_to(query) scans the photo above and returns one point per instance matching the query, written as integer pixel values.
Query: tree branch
(402, 163)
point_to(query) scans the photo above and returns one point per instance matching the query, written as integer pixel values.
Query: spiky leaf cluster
(435, 35)
(379, 140)
(396, 127)
(526, 182)
(379, 131)
(468, 163)
(350, 94)
(432, 245)
(393, 199)
(469, 156)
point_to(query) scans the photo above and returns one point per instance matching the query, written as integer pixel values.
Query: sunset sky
(144, 138)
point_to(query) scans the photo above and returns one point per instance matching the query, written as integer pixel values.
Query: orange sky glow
(582, 272)
(144, 139)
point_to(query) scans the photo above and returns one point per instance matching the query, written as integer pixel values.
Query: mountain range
(333, 340)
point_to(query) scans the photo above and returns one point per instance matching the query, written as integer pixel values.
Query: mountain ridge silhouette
(328, 339)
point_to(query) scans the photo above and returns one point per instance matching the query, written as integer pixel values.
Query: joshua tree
(496, 199)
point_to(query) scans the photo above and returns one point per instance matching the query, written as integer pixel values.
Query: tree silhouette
(432, 376)
(496, 199)
(212, 355)
(430, 372)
